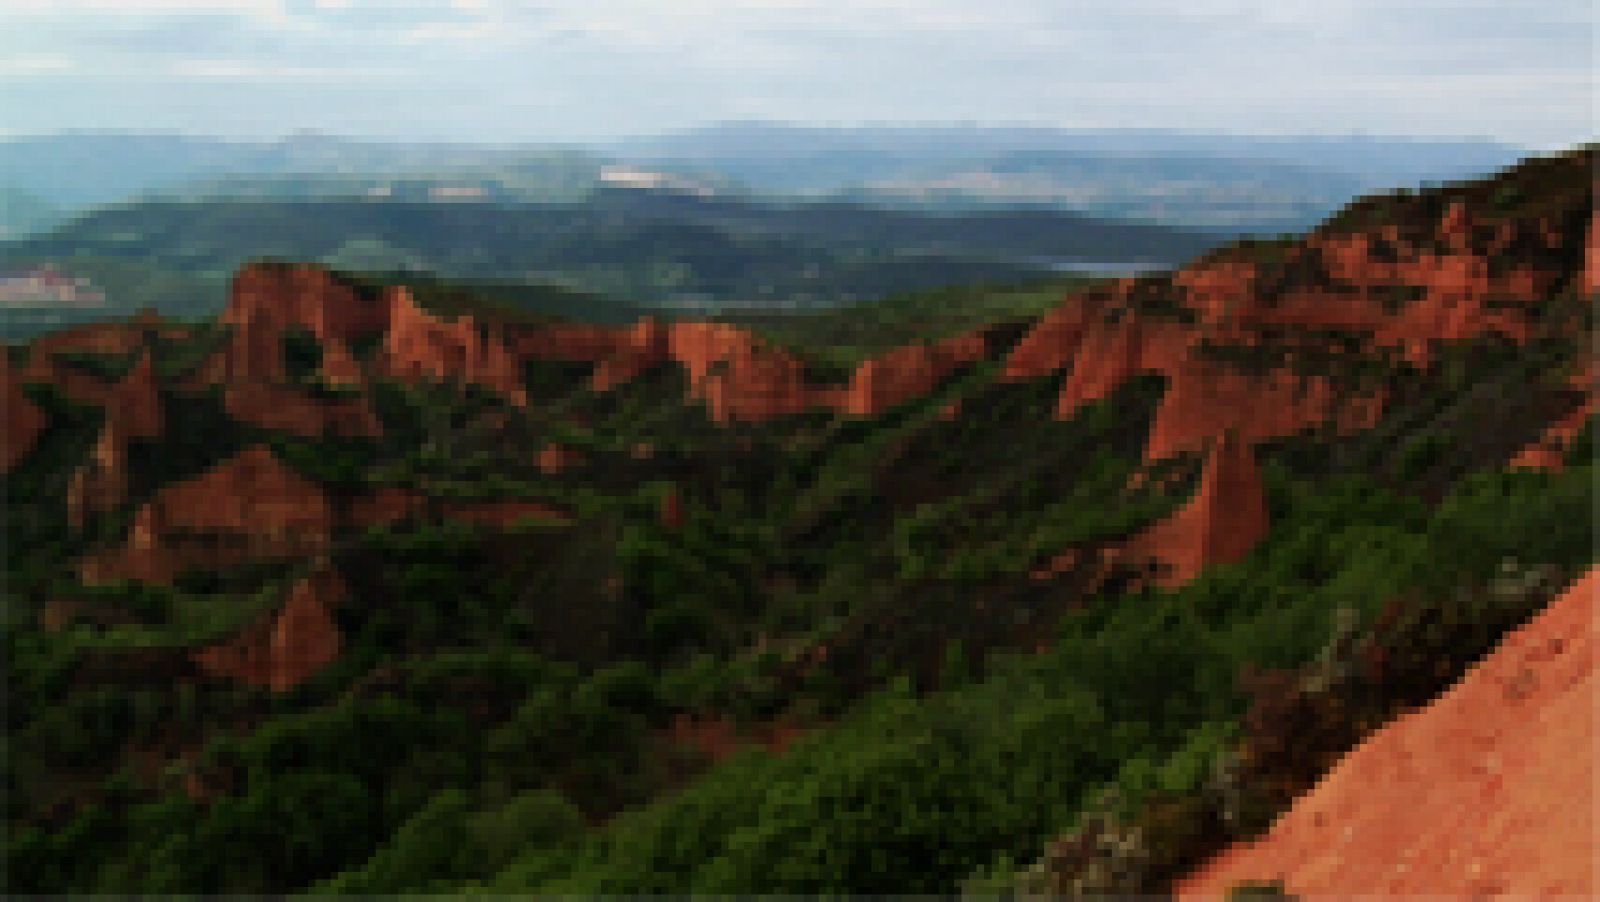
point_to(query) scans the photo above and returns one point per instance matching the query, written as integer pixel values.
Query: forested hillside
(381, 585)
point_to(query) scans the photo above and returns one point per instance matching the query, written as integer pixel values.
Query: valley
(491, 574)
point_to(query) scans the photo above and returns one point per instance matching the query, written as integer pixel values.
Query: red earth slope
(1488, 790)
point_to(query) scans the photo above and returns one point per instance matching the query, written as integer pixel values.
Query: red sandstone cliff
(248, 508)
(419, 345)
(134, 403)
(1405, 291)
(909, 372)
(101, 484)
(288, 647)
(1221, 524)
(1488, 790)
(269, 298)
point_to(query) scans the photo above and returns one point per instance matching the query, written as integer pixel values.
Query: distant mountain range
(1232, 183)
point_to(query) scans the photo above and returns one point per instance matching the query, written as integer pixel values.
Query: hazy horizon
(511, 72)
(280, 135)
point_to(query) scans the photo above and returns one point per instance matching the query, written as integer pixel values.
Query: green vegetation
(845, 336)
(645, 247)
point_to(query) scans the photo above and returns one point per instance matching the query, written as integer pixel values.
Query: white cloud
(35, 64)
(266, 9)
(244, 70)
(1480, 66)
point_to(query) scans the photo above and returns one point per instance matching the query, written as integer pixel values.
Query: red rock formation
(1405, 292)
(24, 421)
(700, 346)
(1488, 790)
(248, 508)
(419, 345)
(102, 483)
(135, 402)
(339, 366)
(908, 372)
(269, 298)
(287, 648)
(1112, 353)
(285, 409)
(1053, 341)
(1205, 398)
(644, 346)
(1224, 520)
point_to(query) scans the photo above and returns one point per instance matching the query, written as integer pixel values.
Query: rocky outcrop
(101, 484)
(287, 648)
(738, 375)
(1488, 790)
(339, 366)
(756, 384)
(1224, 520)
(1205, 398)
(251, 507)
(1215, 330)
(909, 372)
(24, 421)
(421, 346)
(1221, 523)
(134, 403)
(267, 299)
(639, 349)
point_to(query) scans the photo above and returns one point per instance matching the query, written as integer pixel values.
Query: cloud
(539, 68)
(35, 64)
(244, 70)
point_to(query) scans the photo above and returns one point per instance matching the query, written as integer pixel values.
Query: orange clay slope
(1490, 789)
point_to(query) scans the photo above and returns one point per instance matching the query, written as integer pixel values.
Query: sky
(1519, 71)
